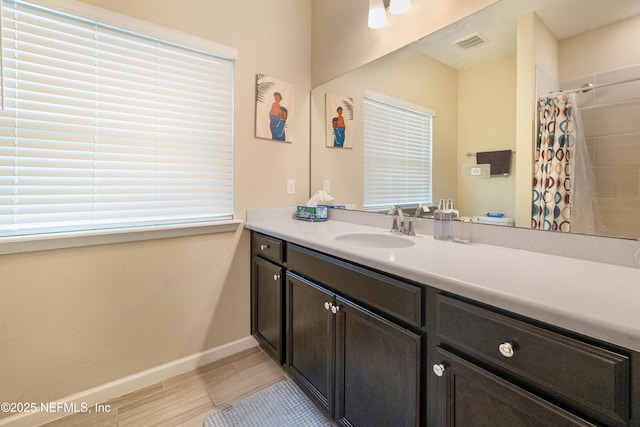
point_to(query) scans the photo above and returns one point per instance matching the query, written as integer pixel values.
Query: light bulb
(377, 14)
(398, 7)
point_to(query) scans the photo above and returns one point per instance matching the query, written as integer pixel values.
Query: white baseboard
(130, 383)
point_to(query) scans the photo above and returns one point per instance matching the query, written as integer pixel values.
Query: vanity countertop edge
(590, 298)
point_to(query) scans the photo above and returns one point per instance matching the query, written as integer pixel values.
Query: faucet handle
(421, 209)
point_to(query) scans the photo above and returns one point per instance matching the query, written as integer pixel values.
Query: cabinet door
(267, 306)
(310, 331)
(377, 370)
(470, 396)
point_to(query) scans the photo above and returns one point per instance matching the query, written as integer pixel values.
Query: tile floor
(185, 400)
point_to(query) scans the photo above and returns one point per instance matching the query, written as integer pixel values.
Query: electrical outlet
(291, 186)
(326, 185)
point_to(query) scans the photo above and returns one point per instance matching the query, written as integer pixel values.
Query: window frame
(54, 240)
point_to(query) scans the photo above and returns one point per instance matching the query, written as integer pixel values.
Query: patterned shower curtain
(554, 164)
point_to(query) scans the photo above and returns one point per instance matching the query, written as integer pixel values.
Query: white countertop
(594, 299)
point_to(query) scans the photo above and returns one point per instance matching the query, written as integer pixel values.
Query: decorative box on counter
(312, 213)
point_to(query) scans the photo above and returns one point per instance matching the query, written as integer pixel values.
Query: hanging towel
(500, 161)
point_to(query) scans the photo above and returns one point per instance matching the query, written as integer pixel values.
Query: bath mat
(280, 405)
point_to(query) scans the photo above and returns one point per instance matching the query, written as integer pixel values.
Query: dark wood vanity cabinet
(354, 340)
(375, 350)
(364, 370)
(267, 294)
(311, 342)
(467, 395)
(493, 368)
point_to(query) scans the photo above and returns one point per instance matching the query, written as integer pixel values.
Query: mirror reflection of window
(397, 153)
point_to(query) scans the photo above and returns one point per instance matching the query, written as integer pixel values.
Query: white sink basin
(375, 240)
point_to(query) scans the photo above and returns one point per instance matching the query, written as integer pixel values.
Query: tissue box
(312, 213)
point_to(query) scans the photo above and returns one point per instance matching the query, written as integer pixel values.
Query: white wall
(72, 319)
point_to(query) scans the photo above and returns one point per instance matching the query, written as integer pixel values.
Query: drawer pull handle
(276, 277)
(439, 369)
(335, 309)
(264, 247)
(506, 349)
(328, 305)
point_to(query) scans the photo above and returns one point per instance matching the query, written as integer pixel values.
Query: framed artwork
(274, 109)
(339, 121)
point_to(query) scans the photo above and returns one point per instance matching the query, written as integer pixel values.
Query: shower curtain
(563, 184)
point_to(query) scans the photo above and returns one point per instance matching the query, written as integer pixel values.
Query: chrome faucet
(397, 224)
(401, 225)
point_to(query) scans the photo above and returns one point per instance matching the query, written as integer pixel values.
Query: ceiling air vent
(470, 41)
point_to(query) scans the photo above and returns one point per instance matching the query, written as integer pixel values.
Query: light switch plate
(291, 186)
(326, 185)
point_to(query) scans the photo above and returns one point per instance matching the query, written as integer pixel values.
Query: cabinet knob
(506, 349)
(276, 277)
(439, 369)
(264, 247)
(328, 305)
(335, 309)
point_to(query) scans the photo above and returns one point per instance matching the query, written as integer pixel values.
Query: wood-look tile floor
(186, 400)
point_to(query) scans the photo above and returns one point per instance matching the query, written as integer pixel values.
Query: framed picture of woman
(339, 121)
(274, 109)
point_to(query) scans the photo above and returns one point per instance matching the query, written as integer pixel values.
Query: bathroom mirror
(475, 92)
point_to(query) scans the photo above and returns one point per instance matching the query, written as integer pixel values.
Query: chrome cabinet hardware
(276, 277)
(264, 247)
(506, 349)
(334, 308)
(439, 369)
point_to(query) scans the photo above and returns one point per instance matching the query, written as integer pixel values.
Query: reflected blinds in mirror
(397, 155)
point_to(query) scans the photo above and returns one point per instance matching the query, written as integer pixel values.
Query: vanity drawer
(386, 294)
(267, 247)
(592, 379)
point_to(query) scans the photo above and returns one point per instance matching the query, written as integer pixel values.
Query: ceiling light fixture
(378, 13)
(399, 7)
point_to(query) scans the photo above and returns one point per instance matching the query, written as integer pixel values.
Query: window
(107, 128)
(397, 153)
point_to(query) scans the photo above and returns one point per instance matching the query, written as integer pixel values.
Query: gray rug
(280, 405)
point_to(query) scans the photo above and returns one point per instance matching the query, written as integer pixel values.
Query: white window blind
(104, 128)
(397, 154)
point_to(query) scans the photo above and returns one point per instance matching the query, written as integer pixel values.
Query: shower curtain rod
(587, 87)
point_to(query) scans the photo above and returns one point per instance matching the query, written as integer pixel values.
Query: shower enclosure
(587, 165)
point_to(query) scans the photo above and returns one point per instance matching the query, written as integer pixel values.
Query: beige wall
(537, 48)
(486, 122)
(604, 49)
(416, 79)
(340, 31)
(73, 319)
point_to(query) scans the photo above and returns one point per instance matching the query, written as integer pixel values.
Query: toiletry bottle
(454, 212)
(462, 230)
(442, 223)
